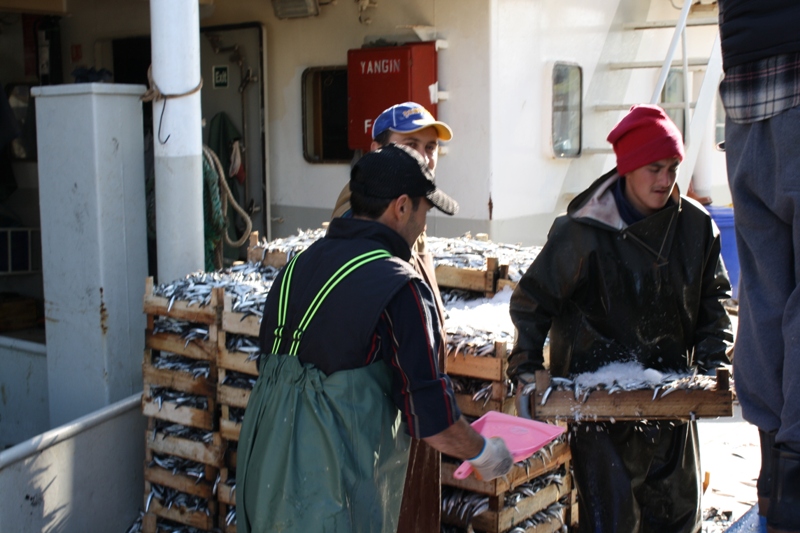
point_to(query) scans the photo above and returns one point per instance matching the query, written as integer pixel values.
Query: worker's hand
(494, 460)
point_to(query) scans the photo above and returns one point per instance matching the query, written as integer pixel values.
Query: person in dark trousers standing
(761, 94)
(350, 336)
(632, 272)
(411, 125)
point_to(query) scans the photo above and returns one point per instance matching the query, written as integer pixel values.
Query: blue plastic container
(723, 216)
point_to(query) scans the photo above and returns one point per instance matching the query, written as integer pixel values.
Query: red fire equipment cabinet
(381, 77)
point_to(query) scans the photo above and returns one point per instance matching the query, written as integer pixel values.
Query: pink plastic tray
(523, 437)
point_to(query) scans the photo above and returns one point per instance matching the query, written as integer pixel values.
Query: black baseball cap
(395, 170)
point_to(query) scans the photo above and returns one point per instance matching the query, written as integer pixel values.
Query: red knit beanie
(646, 134)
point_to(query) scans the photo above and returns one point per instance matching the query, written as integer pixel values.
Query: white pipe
(178, 140)
(662, 77)
(50, 438)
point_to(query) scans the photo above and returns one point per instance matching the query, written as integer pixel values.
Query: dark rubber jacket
(606, 292)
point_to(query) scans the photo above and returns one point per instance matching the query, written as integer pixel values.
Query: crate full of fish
(179, 407)
(238, 352)
(192, 299)
(190, 443)
(189, 339)
(627, 391)
(548, 459)
(539, 501)
(277, 252)
(476, 397)
(234, 388)
(244, 299)
(177, 506)
(172, 371)
(181, 474)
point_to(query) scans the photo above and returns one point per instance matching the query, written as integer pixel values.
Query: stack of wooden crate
(546, 506)
(238, 371)
(184, 450)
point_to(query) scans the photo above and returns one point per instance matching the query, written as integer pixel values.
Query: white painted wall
(493, 70)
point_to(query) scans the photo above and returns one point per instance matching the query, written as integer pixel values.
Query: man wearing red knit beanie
(631, 273)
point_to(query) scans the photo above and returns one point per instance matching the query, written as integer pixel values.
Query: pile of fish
(480, 390)
(467, 252)
(168, 429)
(545, 516)
(464, 506)
(169, 498)
(180, 466)
(291, 245)
(248, 284)
(187, 330)
(474, 324)
(236, 414)
(244, 344)
(629, 376)
(181, 399)
(178, 363)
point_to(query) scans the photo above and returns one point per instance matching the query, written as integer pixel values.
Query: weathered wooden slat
(478, 367)
(171, 342)
(179, 482)
(181, 381)
(469, 279)
(236, 361)
(210, 454)
(179, 414)
(470, 407)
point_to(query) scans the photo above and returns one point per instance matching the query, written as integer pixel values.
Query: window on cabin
(567, 109)
(325, 115)
(673, 94)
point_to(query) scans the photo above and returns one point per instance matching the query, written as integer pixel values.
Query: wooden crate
(478, 408)
(489, 368)
(172, 342)
(469, 279)
(181, 515)
(239, 323)
(179, 414)
(234, 360)
(158, 305)
(631, 405)
(177, 380)
(517, 476)
(204, 488)
(500, 518)
(256, 254)
(229, 395)
(207, 453)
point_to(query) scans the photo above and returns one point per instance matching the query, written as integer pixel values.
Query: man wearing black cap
(411, 125)
(324, 442)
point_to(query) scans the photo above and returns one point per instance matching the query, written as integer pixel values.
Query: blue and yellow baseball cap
(409, 117)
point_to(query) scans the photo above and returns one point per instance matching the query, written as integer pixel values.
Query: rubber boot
(763, 485)
(784, 506)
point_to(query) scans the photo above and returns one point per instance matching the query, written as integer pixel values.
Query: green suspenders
(335, 279)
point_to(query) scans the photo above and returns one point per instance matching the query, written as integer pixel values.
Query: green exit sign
(221, 77)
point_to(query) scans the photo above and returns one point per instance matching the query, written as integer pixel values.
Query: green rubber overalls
(320, 453)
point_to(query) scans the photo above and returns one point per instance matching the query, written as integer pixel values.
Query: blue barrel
(723, 216)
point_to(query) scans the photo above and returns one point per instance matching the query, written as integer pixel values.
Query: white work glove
(494, 460)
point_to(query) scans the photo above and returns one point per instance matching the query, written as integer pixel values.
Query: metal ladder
(696, 113)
